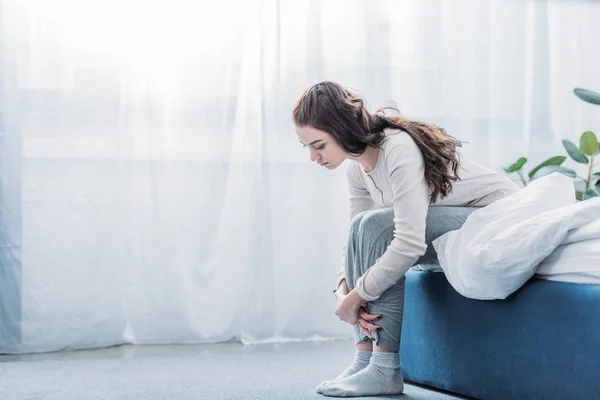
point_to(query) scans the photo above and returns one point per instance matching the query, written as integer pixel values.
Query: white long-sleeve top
(398, 181)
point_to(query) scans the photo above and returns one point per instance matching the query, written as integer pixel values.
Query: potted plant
(585, 187)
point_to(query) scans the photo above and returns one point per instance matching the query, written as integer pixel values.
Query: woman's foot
(360, 362)
(383, 376)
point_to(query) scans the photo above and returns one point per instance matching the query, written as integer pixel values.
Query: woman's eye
(320, 147)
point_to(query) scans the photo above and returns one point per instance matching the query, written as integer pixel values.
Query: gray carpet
(221, 372)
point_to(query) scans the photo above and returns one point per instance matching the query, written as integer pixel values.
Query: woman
(403, 176)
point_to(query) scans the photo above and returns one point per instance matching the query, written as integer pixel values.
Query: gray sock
(382, 376)
(361, 360)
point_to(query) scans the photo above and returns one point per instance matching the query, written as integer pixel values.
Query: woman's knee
(376, 231)
(356, 221)
(376, 221)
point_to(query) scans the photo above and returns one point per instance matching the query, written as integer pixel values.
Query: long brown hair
(329, 107)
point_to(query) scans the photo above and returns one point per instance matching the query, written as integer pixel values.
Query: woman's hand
(365, 324)
(348, 306)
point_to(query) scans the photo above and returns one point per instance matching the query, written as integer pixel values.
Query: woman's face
(323, 148)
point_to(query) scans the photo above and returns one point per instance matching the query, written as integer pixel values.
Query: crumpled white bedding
(541, 229)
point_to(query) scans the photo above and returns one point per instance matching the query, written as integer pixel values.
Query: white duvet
(541, 229)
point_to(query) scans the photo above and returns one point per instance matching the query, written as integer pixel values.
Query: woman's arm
(406, 166)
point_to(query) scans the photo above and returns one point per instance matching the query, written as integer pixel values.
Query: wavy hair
(329, 107)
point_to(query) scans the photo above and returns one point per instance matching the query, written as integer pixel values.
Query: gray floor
(225, 371)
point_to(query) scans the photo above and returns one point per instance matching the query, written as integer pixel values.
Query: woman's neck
(368, 159)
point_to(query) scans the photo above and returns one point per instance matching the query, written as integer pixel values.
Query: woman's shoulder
(398, 143)
(395, 137)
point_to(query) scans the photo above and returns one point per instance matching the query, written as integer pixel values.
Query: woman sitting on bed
(401, 176)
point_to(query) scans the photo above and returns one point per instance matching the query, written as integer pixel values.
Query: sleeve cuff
(360, 289)
(341, 277)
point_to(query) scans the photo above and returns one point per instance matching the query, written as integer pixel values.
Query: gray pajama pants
(371, 232)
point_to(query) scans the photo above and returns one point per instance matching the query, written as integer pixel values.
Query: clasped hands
(350, 308)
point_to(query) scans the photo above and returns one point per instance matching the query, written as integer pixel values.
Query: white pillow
(500, 246)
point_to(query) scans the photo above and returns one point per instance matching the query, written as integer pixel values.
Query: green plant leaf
(558, 160)
(547, 170)
(517, 165)
(588, 143)
(579, 195)
(574, 152)
(580, 185)
(587, 95)
(589, 194)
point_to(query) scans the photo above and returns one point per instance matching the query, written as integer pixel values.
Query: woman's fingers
(364, 323)
(366, 326)
(367, 316)
(365, 331)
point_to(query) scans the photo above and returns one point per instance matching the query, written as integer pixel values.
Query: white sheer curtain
(152, 187)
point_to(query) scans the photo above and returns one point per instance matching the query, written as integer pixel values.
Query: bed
(541, 342)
